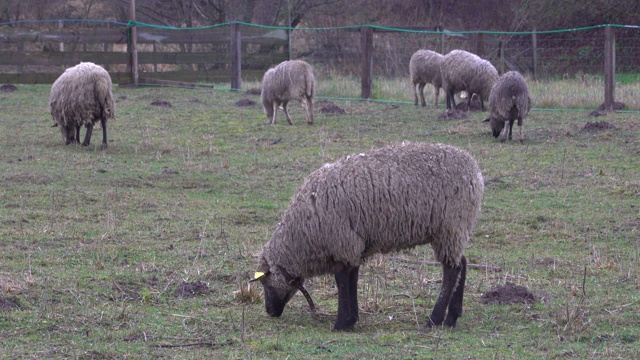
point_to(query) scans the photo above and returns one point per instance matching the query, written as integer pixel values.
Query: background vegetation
(140, 251)
(516, 15)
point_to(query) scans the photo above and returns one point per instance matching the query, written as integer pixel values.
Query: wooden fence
(229, 53)
(206, 55)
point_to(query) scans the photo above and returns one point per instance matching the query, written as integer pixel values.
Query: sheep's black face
(277, 293)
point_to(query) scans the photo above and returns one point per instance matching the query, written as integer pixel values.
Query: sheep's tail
(522, 102)
(310, 84)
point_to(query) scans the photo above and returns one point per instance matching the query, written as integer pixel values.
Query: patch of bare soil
(8, 88)
(331, 109)
(253, 91)
(9, 303)
(192, 289)
(453, 114)
(245, 102)
(161, 103)
(508, 293)
(597, 126)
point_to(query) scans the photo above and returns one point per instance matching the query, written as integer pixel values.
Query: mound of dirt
(597, 126)
(161, 103)
(330, 108)
(253, 91)
(245, 102)
(8, 88)
(192, 289)
(453, 114)
(509, 293)
(474, 106)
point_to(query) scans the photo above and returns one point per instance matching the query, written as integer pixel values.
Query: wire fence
(38, 51)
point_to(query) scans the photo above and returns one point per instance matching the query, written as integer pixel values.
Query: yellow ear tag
(258, 275)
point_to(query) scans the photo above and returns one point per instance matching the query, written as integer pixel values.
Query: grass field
(139, 251)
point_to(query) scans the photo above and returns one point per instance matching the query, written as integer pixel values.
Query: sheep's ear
(486, 120)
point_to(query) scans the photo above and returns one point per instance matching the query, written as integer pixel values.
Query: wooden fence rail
(228, 53)
(187, 56)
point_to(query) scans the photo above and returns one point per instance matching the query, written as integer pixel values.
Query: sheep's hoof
(103, 146)
(450, 321)
(345, 327)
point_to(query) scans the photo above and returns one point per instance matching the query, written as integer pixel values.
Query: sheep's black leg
(450, 275)
(353, 294)
(103, 123)
(87, 135)
(451, 100)
(69, 135)
(520, 129)
(481, 103)
(511, 121)
(347, 282)
(455, 305)
(78, 133)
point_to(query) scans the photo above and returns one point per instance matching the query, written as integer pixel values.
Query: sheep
(82, 95)
(384, 200)
(464, 71)
(424, 68)
(509, 100)
(289, 80)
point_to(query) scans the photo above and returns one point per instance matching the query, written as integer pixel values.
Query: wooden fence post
(609, 68)
(133, 42)
(366, 44)
(477, 43)
(534, 46)
(501, 54)
(440, 29)
(236, 57)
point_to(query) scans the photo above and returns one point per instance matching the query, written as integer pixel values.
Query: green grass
(95, 245)
(580, 92)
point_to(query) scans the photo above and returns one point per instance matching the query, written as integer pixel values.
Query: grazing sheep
(289, 80)
(82, 95)
(464, 71)
(509, 100)
(424, 68)
(381, 201)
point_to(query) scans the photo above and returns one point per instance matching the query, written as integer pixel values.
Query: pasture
(140, 251)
